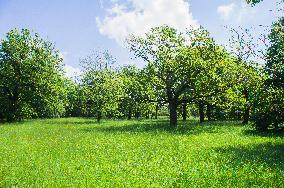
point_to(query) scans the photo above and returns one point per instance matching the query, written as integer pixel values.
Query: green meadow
(79, 152)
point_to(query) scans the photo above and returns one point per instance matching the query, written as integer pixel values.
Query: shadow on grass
(263, 158)
(75, 121)
(158, 126)
(268, 133)
(14, 123)
(269, 154)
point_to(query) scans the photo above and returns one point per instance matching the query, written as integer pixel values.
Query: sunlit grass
(81, 153)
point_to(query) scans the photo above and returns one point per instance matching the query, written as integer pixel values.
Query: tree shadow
(75, 121)
(13, 123)
(268, 133)
(264, 158)
(158, 126)
(269, 154)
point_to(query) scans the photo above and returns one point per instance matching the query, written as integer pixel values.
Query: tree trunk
(99, 116)
(157, 109)
(129, 114)
(246, 115)
(137, 114)
(247, 107)
(173, 113)
(208, 112)
(184, 111)
(147, 114)
(13, 112)
(201, 112)
(1, 116)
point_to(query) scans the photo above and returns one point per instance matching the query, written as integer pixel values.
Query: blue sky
(79, 26)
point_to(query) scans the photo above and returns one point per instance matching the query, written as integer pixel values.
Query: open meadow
(79, 152)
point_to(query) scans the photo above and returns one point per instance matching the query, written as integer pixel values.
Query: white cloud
(120, 20)
(236, 13)
(71, 71)
(226, 10)
(101, 4)
(245, 13)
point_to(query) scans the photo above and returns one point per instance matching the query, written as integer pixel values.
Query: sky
(78, 27)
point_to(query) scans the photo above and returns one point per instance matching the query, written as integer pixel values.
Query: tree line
(185, 74)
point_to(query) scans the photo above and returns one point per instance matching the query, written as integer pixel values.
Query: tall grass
(81, 153)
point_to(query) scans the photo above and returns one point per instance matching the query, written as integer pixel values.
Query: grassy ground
(81, 153)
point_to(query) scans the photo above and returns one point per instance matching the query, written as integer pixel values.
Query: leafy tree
(275, 55)
(31, 77)
(74, 104)
(159, 49)
(242, 46)
(176, 64)
(137, 92)
(101, 85)
(270, 101)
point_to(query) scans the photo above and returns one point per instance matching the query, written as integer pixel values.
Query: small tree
(137, 92)
(242, 46)
(101, 85)
(270, 101)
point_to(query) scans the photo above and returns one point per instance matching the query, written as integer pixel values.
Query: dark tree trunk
(157, 109)
(137, 114)
(129, 114)
(99, 116)
(184, 111)
(13, 111)
(247, 108)
(201, 112)
(173, 113)
(246, 115)
(13, 108)
(208, 112)
(147, 115)
(1, 116)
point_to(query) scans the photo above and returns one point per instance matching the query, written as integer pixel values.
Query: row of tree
(186, 74)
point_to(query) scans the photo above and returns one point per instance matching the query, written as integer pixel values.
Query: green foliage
(101, 86)
(138, 91)
(270, 100)
(247, 76)
(269, 105)
(74, 93)
(82, 153)
(31, 77)
(253, 2)
(183, 71)
(275, 54)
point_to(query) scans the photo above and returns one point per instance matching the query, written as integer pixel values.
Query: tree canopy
(31, 77)
(186, 73)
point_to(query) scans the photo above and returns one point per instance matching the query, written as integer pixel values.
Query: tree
(101, 85)
(270, 101)
(159, 49)
(242, 46)
(74, 105)
(31, 77)
(174, 62)
(138, 91)
(275, 55)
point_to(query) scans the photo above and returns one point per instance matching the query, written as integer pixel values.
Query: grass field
(81, 153)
